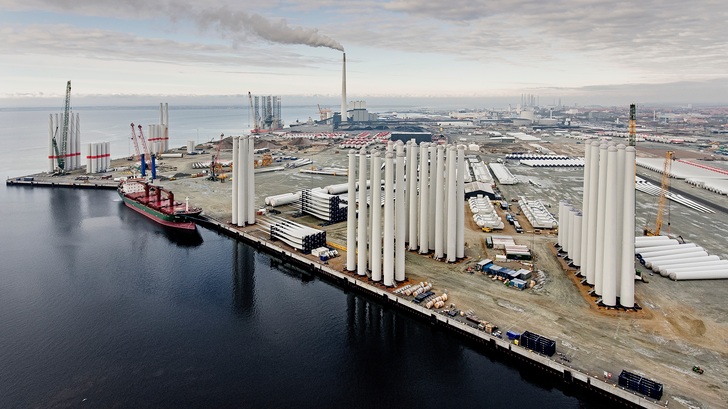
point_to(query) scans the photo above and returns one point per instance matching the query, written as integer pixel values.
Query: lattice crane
(632, 125)
(661, 204)
(61, 151)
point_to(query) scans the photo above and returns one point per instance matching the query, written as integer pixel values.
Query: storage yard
(681, 324)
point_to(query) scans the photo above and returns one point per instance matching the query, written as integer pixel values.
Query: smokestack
(343, 91)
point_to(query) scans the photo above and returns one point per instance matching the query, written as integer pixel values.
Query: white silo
(601, 213)
(592, 220)
(362, 232)
(585, 213)
(460, 192)
(451, 207)
(439, 203)
(400, 217)
(251, 180)
(435, 173)
(609, 272)
(375, 245)
(351, 213)
(388, 246)
(236, 165)
(413, 203)
(424, 200)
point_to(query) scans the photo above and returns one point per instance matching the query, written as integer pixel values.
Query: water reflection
(243, 278)
(181, 238)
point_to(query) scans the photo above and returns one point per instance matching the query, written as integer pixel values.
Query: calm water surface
(100, 307)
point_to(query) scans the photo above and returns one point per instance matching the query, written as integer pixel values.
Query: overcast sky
(598, 51)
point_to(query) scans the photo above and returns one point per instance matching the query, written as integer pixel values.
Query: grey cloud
(108, 45)
(228, 22)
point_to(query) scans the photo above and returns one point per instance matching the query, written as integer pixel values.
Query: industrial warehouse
(558, 258)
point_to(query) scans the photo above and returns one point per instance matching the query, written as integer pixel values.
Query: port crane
(662, 202)
(147, 156)
(62, 150)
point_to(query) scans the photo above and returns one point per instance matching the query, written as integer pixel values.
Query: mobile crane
(662, 202)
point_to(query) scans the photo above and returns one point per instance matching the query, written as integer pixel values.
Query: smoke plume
(237, 24)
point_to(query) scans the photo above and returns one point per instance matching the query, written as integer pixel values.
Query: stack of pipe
(600, 237)
(243, 201)
(298, 236)
(679, 261)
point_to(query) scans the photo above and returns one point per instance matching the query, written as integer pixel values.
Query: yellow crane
(662, 202)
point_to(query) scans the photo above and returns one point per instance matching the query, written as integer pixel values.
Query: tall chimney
(343, 91)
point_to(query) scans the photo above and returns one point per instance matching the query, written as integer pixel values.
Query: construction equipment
(662, 202)
(62, 150)
(487, 229)
(698, 370)
(147, 157)
(215, 166)
(266, 160)
(632, 141)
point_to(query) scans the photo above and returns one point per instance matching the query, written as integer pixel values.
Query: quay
(569, 375)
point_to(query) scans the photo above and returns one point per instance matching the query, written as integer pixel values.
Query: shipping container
(512, 335)
(489, 242)
(538, 343)
(641, 385)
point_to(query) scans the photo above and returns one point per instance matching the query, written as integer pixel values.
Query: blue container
(512, 335)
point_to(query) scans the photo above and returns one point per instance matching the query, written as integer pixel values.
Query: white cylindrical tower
(375, 245)
(560, 232)
(439, 204)
(601, 214)
(251, 180)
(242, 180)
(619, 224)
(451, 214)
(89, 158)
(591, 228)
(351, 214)
(584, 236)
(424, 199)
(51, 151)
(361, 268)
(400, 217)
(236, 165)
(564, 225)
(609, 281)
(77, 147)
(388, 246)
(413, 204)
(460, 208)
(626, 289)
(572, 223)
(71, 142)
(435, 173)
(577, 238)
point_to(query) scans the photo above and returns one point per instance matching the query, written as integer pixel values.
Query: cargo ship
(157, 204)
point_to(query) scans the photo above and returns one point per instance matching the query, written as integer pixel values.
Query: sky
(602, 52)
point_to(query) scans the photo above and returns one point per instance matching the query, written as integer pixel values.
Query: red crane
(144, 145)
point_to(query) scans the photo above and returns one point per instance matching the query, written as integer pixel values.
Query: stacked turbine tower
(73, 146)
(431, 217)
(600, 238)
(159, 133)
(243, 206)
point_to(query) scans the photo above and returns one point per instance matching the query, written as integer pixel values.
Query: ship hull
(177, 220)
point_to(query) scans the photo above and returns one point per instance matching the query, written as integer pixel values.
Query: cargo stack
(538, 343)
(639, 384)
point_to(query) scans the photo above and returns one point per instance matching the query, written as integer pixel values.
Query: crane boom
(253, 113)
(662, 202)
(148, 157)
(61, 151)
(136, 143)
